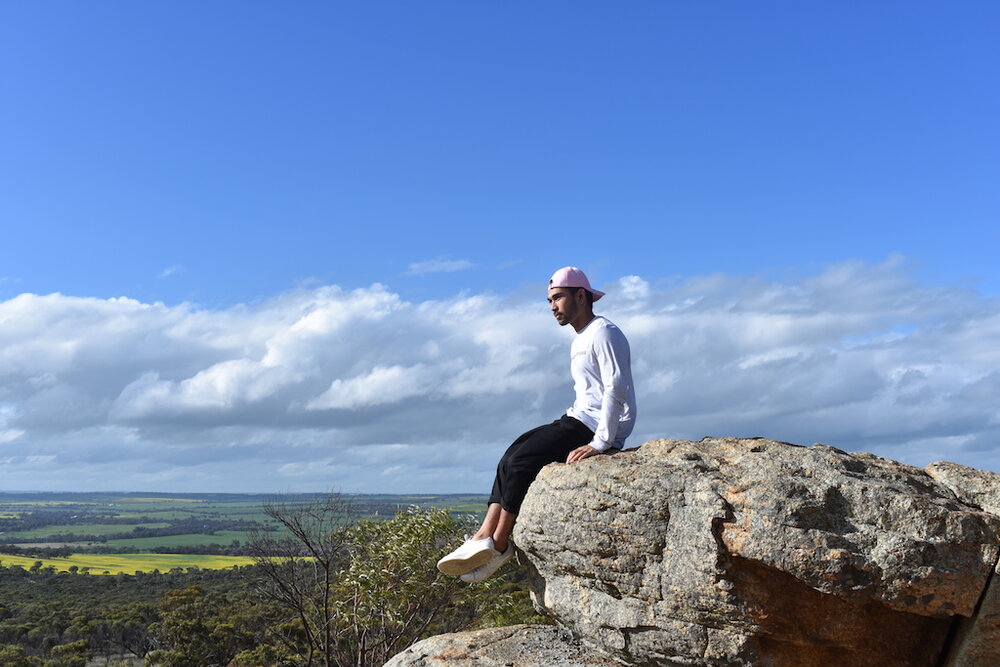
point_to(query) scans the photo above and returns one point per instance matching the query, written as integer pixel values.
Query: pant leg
(496, 496)
(532, 451)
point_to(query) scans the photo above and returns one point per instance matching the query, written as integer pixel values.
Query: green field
(128, 563)
(88, 529)
(191, 523)
(194, 539)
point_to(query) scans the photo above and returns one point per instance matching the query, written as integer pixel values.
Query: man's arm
(612, 353)
(613, 358)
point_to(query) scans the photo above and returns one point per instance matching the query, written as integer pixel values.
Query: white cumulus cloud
(379, 386)
(362, 390)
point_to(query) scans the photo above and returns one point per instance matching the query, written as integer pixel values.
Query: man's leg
(518, 467)
(515, 472)
(489, 523)
(524, 459)
(505, 526)
(498, 524)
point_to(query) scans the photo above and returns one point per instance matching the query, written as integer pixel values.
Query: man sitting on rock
(600, 419)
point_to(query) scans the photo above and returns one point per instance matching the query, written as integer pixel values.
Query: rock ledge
(517, 645)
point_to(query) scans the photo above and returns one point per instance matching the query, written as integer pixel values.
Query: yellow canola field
(129, 563)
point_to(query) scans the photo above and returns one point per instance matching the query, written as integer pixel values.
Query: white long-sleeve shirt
(600, 362)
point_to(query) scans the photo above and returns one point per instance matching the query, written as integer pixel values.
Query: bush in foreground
(358, 594)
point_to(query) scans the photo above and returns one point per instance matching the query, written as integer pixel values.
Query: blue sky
(184, 185)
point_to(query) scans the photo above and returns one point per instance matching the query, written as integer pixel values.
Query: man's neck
(584, 320)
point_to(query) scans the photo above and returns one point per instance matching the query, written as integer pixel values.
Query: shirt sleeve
(612, 353)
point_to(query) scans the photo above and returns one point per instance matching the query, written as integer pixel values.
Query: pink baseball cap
(570, 276)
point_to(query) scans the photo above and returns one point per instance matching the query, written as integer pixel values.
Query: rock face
(755, 552)
(752, 552)
(977, 640)
(521, 645)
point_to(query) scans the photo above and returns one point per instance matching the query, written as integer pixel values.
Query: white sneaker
(486, 571)
(468, 557)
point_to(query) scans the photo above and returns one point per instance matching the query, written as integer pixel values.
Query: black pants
(531, 452)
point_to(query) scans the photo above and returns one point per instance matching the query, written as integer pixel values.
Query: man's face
(564, 304)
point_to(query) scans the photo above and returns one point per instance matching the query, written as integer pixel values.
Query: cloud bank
(361, 390)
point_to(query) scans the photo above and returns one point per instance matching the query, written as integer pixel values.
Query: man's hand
(580, 453)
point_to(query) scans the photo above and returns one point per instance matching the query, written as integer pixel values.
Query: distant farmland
(122, 532)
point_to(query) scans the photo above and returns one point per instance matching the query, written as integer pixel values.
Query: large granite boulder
(751, 552)
(755, 552)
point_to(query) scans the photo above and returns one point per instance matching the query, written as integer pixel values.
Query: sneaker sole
(488, 570)
(459, 566)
